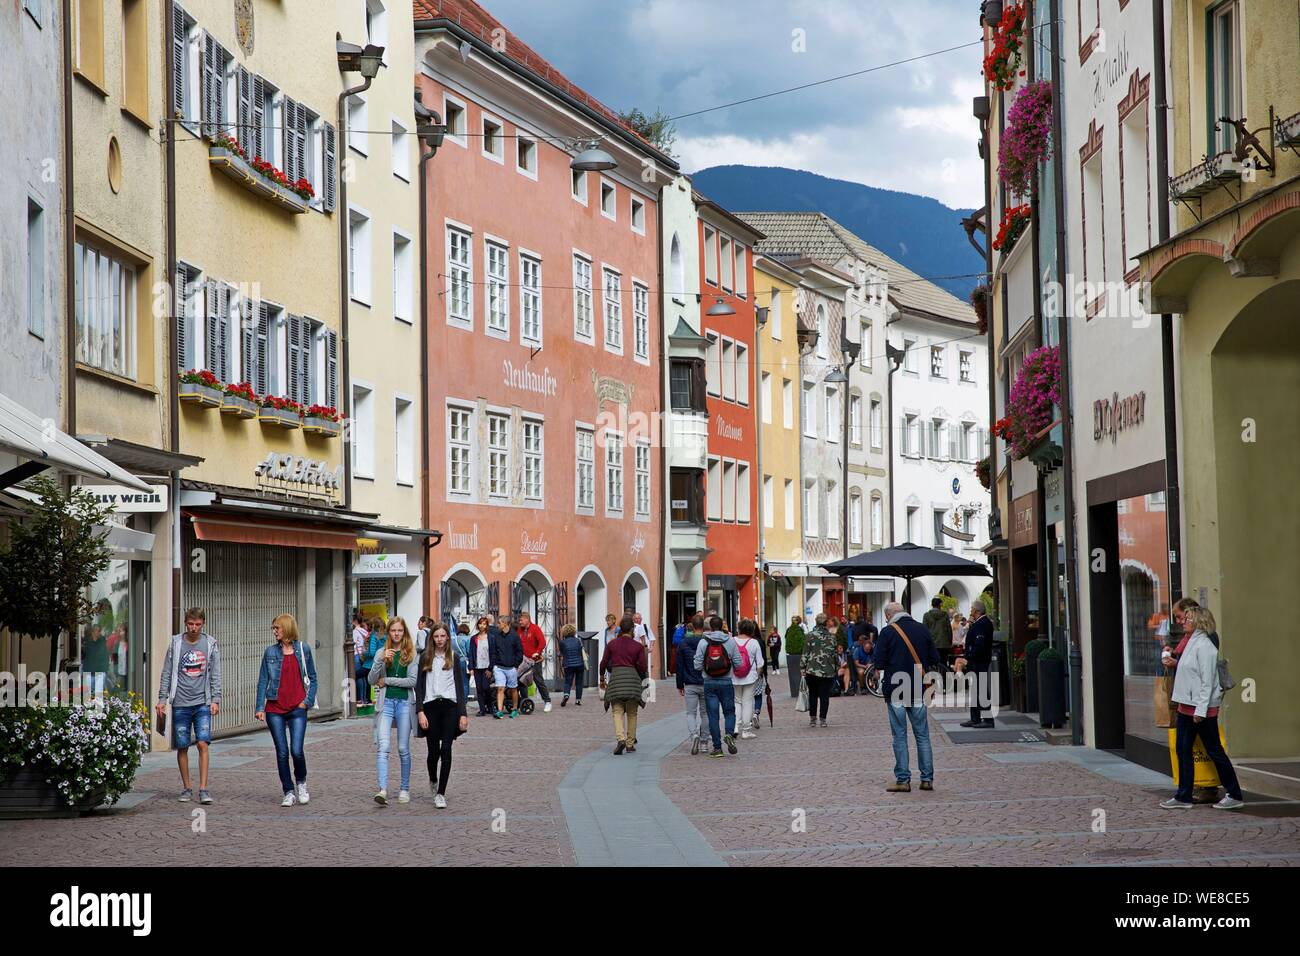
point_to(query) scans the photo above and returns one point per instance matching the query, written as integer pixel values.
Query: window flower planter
(235, 167)
(279, 417)
(238, 406)
(324, 427)
(205, 396)
(1015, 221)
(1205, 176)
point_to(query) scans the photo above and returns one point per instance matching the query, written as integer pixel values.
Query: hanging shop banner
(380, 566)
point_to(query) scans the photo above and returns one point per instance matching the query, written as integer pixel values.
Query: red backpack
(717, 662)
(745, 663)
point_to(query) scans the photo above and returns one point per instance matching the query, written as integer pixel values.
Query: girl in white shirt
(744, 686)
(440, 699)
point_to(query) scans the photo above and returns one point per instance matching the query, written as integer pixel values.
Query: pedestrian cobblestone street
(994, 803)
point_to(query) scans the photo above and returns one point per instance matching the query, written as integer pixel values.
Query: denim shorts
(191, 725)
(505, 676)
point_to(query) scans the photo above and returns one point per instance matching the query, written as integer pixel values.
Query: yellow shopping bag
(1203, 772)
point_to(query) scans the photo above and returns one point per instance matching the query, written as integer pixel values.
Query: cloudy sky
(907, 127)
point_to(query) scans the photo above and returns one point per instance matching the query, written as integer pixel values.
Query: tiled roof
(818, 236)
(472, 18)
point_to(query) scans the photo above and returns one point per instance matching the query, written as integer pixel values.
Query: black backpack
(717, 662)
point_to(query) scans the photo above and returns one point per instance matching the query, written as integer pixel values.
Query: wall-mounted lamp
(980, 107)
(593, 159)
(365, 60)
(895, 355)
(761, 315)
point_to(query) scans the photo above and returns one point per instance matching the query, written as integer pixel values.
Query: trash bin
(1051, 689)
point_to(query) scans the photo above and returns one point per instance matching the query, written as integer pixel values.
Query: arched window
(821, 331)
(676, 269)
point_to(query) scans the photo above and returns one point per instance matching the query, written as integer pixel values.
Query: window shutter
(222, 351)
(178, 60)
(262, 376)
(210, 323)
(207, 112)
(294, 336)
(247, 339)
(288, 135)
(254, 148)
(305, 336)
(954, 442)
(244, 106)
(184, 341)
(300, 143)
(332, 369)
(328, 173)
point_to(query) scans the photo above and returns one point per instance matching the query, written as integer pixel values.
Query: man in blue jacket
(506, 652)
(979, 656)
(690, 682)
(903, 653)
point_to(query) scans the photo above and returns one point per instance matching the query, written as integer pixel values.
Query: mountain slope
(922, 233)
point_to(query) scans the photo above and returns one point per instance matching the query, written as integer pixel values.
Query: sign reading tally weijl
(126, 500)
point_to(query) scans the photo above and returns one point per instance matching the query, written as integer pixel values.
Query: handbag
(1164, 706)
(1225, 678)
(801, 705)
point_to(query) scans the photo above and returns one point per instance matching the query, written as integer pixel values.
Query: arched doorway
(533, 593)
(465, 595)
(590, 600)
(959, 592)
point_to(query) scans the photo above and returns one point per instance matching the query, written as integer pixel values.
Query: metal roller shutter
(377, 591)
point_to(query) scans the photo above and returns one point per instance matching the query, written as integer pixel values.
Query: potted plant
(1006, 48)
(1015, 219)
(1027, 139)
(1018, 681)
(1031, 406)
(239, 400)
(322, 420)
(1051, 688)
(279, 411)
(982, 472)
(67, 760)
(979, 301)
(200, 387)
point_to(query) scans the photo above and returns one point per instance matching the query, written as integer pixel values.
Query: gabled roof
(820, 237)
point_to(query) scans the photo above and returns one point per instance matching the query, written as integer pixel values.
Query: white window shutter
(332, 369)
(244, 107)
(328, 173)
(260, 376)
(954, 442)
(305, 335)
(288, 138)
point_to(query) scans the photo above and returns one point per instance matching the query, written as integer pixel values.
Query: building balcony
(688, 544)
(688, 440)
(1205, 177)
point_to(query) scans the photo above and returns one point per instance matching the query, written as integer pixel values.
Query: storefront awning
(276, 533)
(24, 434)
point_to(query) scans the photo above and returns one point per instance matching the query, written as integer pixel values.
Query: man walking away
(978, 656)
(191, 682)
(904, 651)
(534, 642)
(690, 682)
(715, 657)
(940, 628)
(819, 663)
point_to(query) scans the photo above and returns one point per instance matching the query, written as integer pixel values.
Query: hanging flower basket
(979, 302)
(200, 387)
(1034, 397)
(982, 472)
(1027, 140)
(279, 412)
(239, 400)
(1006, 48)
(1015, 220)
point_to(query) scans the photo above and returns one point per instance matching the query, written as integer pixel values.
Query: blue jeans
(1185, 734)
(288, 732)
(573, 677)
(191, 725)
(720, 693)
(395, 711)
(363, 681)
(899, 716)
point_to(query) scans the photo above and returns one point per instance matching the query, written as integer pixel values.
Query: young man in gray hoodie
(715, 657)
(191, 682)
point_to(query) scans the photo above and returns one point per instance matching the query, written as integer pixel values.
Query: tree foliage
(657, 130)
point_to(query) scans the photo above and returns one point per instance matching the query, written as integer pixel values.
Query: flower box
(205, 396)
(26, 795)
(238, 406)
(279, 417)
(1205, 176)
(235, 167)
(324, 427)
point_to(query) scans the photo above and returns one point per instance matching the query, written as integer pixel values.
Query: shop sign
(126, 500)
(295, 473)
(1111, 416)
(1024, 524)
(380, 566)
(524, 379)
(728, 431)
(531, 547)
(611, 390)
(1054, 496)
(462, 540)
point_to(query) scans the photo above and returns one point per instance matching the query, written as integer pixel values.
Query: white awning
(24, 434)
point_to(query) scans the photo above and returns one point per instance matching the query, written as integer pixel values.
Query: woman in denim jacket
(286, 690)
(393, 676)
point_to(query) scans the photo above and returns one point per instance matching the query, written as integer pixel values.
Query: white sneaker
(746, 735)
(288, 799)
(1229, 803)
(440, 801)
(547, 708)
(381, 798)
(303, 795)
(404, 797)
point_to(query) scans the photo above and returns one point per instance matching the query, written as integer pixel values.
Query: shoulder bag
(927, 696)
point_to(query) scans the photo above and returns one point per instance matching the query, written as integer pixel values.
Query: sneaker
(403, 796)
(823, 721)
(900, 786)
(1173, 803)
(288, 799)
(577, 703)
(440, 801)
(988, 723)
(754, 722)
(564, 701)
(1229, 803)
(927, 784)
(730, 741)
(547, 708)
(747, 735)
(498, 714)
(514, 714)
(695, 745)
(187, 795)
(303, 795)
(619, 748)
(715, 753)
(381, 798)
(206, 797)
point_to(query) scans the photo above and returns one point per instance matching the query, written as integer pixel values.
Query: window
(498, 455)
(936, 362)
(710, 256)
(742, 283)
(88, 40)
(855, 519)
(714, 496)
(454, 111)
(687, 506)
(613, 473)
(940, 539)
(1135, 184)
(376, 23)
(876, 419)
(185, 63)
(135, 57)
(363, 431)
(460, 446)
(582, 319)
(832, 511)
(494, 147)
(579, 180)
(713, 365)
(855, 419)
(728, 490)
(613, 300)
(956, 448)
(965, 368)
(727, 262)
(686, 382)
(641, 321)
(728, 370)
(608, 199)
(530, 300)
(808, 411)
(787, 403)
(401, 152)
(359, 256)
(774, 315)
(585, 480)
(105, 307)
(765, 397)
(273, 371)
(769, 501)
(832, 415)
(936, 438)
(969, 437)
(403, 281)
(36, 270)
(459, 278)
(525, 155)
(643, 479)
(404, 441)
(810, 507)
(534, 451)
(866, 336)
(910, 446)
(742, 374)
(498, 289)
(742, 492)
(1223, 75)
(877, 522)
(789, 504)
(822, 337)
(638, 216)
(358, 117)
(677, 268)
(913, 529)
(909, 359)
(1094, 231)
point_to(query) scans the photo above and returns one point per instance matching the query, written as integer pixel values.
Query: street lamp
(365, 60)
(593, 159)
(720, 308)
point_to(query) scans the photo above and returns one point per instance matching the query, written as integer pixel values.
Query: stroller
(526, 681)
